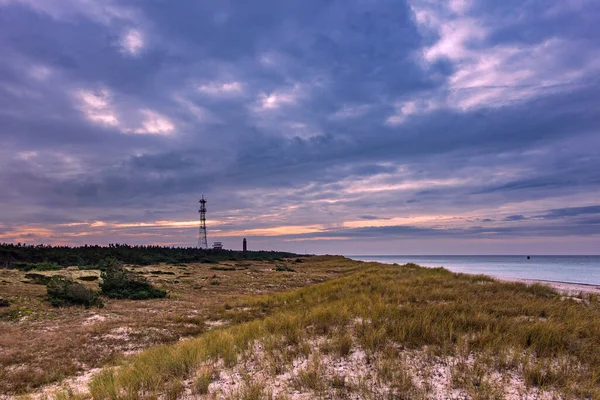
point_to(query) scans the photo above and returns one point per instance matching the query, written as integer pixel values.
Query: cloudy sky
(325, 126)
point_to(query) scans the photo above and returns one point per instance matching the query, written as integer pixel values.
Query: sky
(315, 126)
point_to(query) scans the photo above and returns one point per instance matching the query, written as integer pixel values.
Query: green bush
(46, 266)
(65, 292)
(119, 283)
(41, 266)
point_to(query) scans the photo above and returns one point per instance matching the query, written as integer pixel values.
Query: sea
(572, 269)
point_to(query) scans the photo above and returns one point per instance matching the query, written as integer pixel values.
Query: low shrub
(119, 283)
(46, 266)
(284, 268)
(41, 266)
(65, 292)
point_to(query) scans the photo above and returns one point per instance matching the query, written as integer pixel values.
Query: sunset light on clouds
(353, 127)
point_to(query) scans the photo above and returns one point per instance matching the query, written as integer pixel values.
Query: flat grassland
(368, 331)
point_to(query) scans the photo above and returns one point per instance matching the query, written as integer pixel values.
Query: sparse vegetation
(342, 344)
(203, 380)
(312, 376)
(250, 390)
(41, 344)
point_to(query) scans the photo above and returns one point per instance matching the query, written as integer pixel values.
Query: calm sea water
(575, 269)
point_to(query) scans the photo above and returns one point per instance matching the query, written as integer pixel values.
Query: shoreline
(562, 287)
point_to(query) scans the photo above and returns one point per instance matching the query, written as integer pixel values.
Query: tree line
(23, 256)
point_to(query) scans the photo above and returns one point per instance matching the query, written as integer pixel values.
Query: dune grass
(398, 316)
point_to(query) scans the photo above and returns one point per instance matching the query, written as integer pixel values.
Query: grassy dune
(381, 332)
(41, 344)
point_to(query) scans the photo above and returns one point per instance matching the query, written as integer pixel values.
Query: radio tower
(202, 242)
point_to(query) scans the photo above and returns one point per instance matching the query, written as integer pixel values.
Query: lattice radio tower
(202, 241)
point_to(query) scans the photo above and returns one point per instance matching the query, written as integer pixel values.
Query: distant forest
(27, 256)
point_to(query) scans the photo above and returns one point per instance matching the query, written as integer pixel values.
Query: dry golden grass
(402, 323)
(40, 344)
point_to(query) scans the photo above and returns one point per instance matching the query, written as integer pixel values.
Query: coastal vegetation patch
(120, 283)
(384, 332)
(65, 292)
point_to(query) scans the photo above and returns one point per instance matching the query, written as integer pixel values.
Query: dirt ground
(41, 344)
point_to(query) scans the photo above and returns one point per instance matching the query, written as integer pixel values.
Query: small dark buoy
(528, 257)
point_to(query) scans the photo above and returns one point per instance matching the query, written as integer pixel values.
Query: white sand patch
(122, 333)
(216, 323)
(357, 376)
(93, 319)
(434, 375)
(355, 370)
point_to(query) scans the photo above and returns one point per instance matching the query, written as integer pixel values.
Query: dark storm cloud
(116, 108)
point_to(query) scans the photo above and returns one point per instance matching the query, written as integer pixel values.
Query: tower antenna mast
(202, 241)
